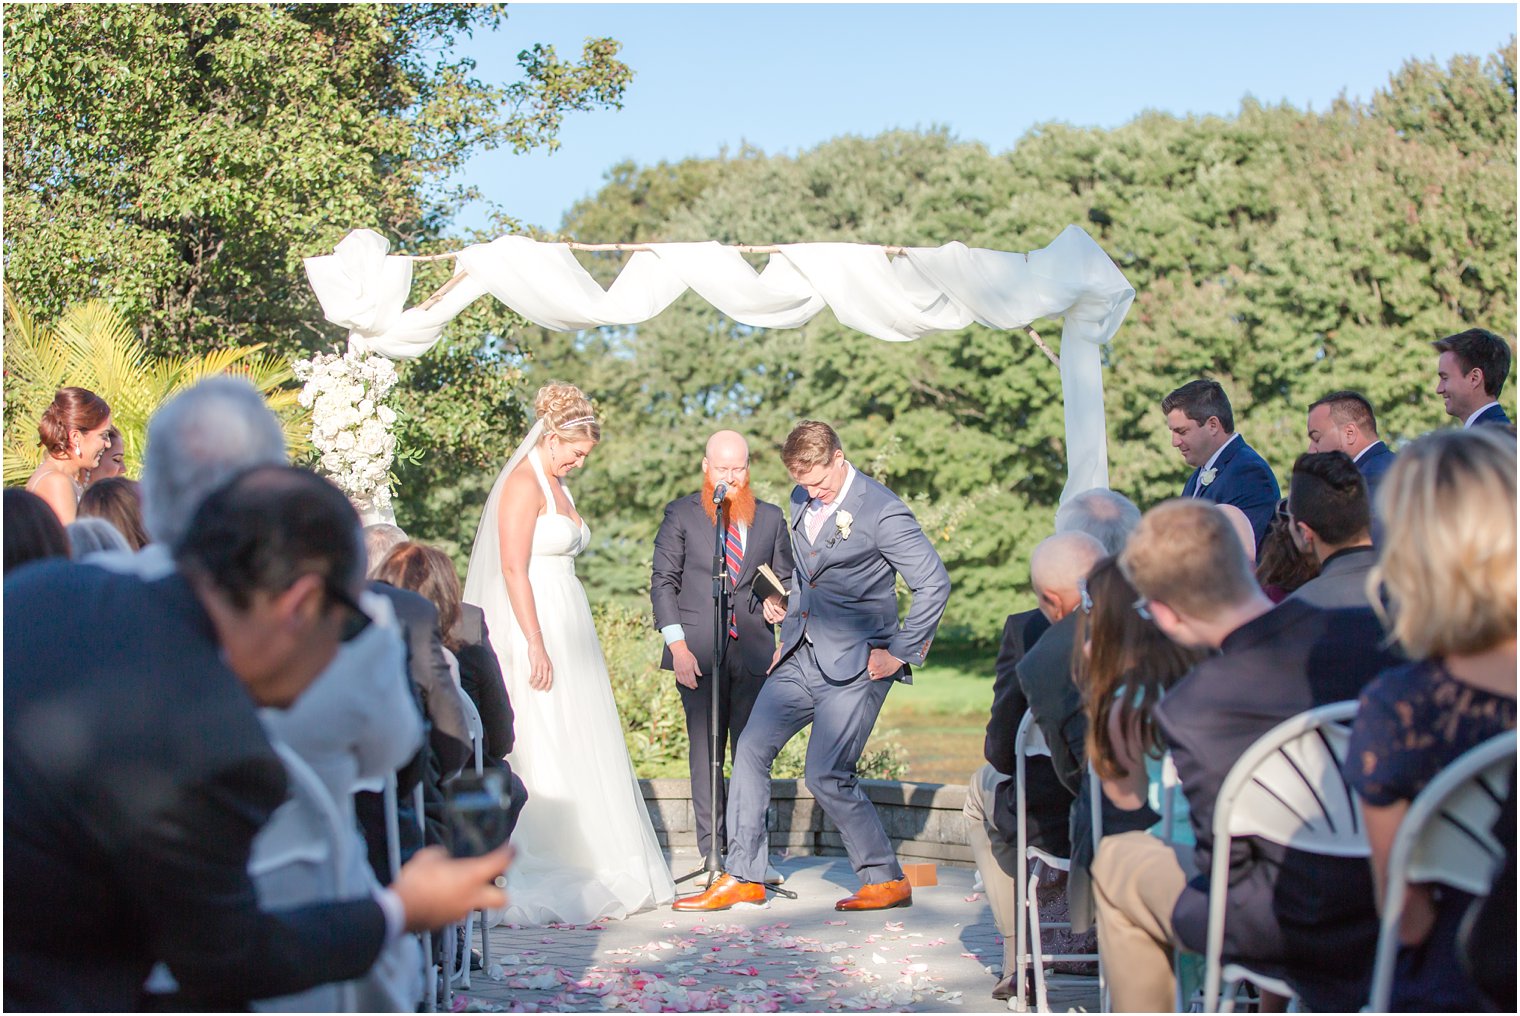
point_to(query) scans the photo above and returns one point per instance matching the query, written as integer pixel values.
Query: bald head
(1055, 568)
(726, 459)
(1243, 529)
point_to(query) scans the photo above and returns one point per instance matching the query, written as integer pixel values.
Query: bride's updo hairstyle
(567, 413)
(71, 409)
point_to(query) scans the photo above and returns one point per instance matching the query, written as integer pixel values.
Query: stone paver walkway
(940, 955)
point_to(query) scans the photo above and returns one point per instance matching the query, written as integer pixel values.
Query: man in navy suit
(1226, 470)
(842, 648)
(1470, 373)
(1306, 918)
(1343, 422)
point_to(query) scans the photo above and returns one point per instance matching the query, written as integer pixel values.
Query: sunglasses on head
(1282, 510)
(355, 619)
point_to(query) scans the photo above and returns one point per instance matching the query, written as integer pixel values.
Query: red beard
(740, 501)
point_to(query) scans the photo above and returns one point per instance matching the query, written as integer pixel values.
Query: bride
(584, 844)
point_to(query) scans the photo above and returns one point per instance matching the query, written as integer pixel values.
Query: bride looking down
(585, 846)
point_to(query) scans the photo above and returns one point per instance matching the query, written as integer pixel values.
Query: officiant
(681, 588)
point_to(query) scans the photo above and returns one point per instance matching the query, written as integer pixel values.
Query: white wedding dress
(585, 848)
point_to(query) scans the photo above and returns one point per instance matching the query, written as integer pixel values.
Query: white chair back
(477, 729)
(300, 857)
(1286, 788)
(1446, 836)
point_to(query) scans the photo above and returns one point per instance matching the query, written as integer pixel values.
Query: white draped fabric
(923, 290)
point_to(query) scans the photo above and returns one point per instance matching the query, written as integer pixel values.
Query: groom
(841, 648)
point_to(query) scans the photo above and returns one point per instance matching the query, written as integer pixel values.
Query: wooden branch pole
(1041, 343)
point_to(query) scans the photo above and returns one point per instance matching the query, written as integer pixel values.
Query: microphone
(719, 493)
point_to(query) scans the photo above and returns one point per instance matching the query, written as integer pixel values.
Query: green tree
(93, 346)
(1283, 252)
(179, 160)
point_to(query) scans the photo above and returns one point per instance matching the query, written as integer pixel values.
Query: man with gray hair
(1101, 513)
(380, 538)
(1056, 570)
(199, 440)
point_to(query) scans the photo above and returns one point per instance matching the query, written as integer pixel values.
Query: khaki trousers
(1137, 879)
(996, 856)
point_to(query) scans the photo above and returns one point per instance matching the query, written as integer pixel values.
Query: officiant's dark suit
(681, 588)
(1243, 479)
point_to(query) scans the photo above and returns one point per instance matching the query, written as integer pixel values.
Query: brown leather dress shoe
(879, 896)
(727, 893)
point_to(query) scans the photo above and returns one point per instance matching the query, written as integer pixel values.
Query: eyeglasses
(1086, 599)
(1142, 607)
(356, 620)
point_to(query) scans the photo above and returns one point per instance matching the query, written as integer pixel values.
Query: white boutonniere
(843, 520)
(1207, 477)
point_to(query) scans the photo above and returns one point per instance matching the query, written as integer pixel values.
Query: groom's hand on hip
(882, 664)
(684, 662)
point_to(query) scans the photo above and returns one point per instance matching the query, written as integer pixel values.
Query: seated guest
(1226, 470)
(128, 828)
(1105, 515)
(92, 536)
(1281, 568)
(1486, 940)
(1343, 422)
(429, 572)
(73, 434)
(355, 725)
(1470, 374)
(1056, 569)
(1331, 522)
(992, 848)
(113, 462)
(437, 694)
(1243, 530)
(1309, 919)
(1124, 669)
(1448, 507)
(32, 530)
(118, 500)
(197, 441)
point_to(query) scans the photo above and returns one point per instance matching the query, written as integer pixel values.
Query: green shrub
(654, 724)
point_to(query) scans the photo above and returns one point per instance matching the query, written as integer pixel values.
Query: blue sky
(786, 77)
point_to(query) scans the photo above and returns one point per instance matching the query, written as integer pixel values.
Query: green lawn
(940, 719)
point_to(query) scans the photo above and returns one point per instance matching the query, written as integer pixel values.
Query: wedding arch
(896, 294)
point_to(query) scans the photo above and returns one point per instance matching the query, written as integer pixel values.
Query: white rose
(387, 415)
(344, 441)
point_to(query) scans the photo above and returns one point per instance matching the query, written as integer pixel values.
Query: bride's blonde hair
(566, 412)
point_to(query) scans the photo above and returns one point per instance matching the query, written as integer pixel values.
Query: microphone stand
(722, 597)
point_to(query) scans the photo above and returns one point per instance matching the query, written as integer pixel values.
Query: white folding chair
(430, 986)
(1286, 788)
(459, 969)
(300, 856)
(1446, 836)
(1030, 741)
(1095, 812)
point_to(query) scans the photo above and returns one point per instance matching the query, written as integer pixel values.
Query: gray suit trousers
(842, 716)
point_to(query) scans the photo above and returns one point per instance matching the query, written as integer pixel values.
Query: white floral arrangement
(350, 426)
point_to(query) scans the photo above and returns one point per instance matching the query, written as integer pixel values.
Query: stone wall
(924, 820)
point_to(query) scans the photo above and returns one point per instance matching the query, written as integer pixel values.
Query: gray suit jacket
(1342, 581)
(845, 600)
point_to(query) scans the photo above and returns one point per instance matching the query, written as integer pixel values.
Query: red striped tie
(733, 553)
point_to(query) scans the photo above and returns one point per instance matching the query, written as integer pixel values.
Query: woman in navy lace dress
(1448, 569)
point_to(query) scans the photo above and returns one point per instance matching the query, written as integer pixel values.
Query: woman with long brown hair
(1123, 666)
